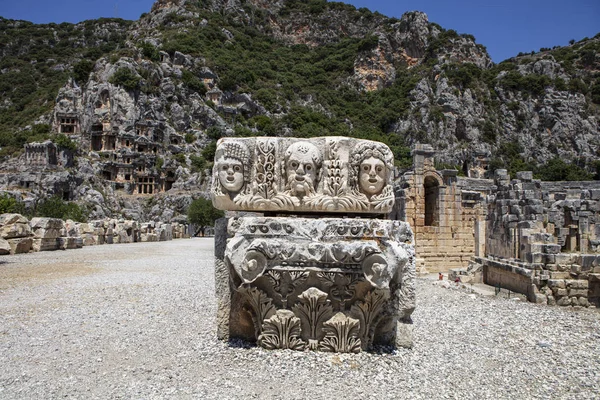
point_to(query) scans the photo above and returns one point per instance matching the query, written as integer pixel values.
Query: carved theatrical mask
(372, 176)
(302, 163)
(232, 167)
(231, 174)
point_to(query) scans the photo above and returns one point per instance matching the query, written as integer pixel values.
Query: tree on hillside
(202, 214)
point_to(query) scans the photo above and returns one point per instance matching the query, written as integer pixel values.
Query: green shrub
(63, 141)
(193, 82)
(126, 78)
(11, 205)
(462, 75)
(208, 153)
(595, 92)
(190, 138)
(199, 164)
(180, 158)
(149, 51)
(557, 169)
(488, 132)
(202, 214)
(55, 207)
(82, 70)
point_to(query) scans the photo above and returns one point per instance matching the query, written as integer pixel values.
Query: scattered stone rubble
(19, 235)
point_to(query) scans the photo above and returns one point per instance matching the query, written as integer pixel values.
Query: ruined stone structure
(19, 235)
(47, 154)
(129, 145)
(447, 212)
(544, 239)
(304, 275)
(537, 238)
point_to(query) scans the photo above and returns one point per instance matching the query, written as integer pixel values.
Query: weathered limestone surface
(543, 239)
(15, 230)
(345, 281)
(327, 175)
(329, 284)
(19, 235)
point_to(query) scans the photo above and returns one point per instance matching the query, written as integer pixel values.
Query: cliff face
(146, 107)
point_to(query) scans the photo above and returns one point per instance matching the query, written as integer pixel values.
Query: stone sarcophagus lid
(327, 174)
(314, 278)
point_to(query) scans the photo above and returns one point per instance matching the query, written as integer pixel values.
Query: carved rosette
(341, 335)
(281, 331)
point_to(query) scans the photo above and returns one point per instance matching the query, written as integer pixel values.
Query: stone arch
(431, 186)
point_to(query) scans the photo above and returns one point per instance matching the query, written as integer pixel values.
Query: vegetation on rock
(202, 214)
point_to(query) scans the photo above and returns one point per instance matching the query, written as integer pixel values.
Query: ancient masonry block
(333, 174)
(303, 282)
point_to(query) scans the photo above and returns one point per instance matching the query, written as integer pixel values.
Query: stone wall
(546, 231)
(19, 235)
(447, 213)
(541, 239)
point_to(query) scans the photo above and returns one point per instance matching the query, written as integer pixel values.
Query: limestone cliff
(145, 101)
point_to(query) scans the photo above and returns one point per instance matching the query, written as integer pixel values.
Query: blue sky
(505, 27)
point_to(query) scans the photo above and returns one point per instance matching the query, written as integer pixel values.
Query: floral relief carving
(341, 335)
(281, 331)
(369, 313)
(261, 306)
(285, 282)
(342, 286)
(313, 310)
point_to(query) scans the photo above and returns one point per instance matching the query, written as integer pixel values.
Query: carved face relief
(231, 174)
(372, 176)
(302, 168)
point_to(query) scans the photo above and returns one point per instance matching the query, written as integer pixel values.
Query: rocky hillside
(146, 101)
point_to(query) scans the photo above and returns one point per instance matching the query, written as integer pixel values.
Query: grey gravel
(138, 321)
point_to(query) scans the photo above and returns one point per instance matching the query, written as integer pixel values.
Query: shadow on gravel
(240, 344)
(243, 344)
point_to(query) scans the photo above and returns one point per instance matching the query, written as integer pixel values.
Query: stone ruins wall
(544, 239)
(19, 235)
(541, 239)
(446, 212)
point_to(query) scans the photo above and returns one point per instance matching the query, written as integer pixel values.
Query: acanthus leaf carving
(313, 310)
(282, 331)
(369, 312)
(285, 282)
(341, 335)
(261, 306)
(342, 286)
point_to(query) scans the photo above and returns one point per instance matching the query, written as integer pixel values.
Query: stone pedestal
(309, 274)
(327, 284)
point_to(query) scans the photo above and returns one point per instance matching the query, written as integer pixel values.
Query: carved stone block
(326, 174)
(330, 284)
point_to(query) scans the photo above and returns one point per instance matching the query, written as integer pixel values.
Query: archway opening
(431, 201)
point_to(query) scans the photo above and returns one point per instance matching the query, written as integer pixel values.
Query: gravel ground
(137, 321)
